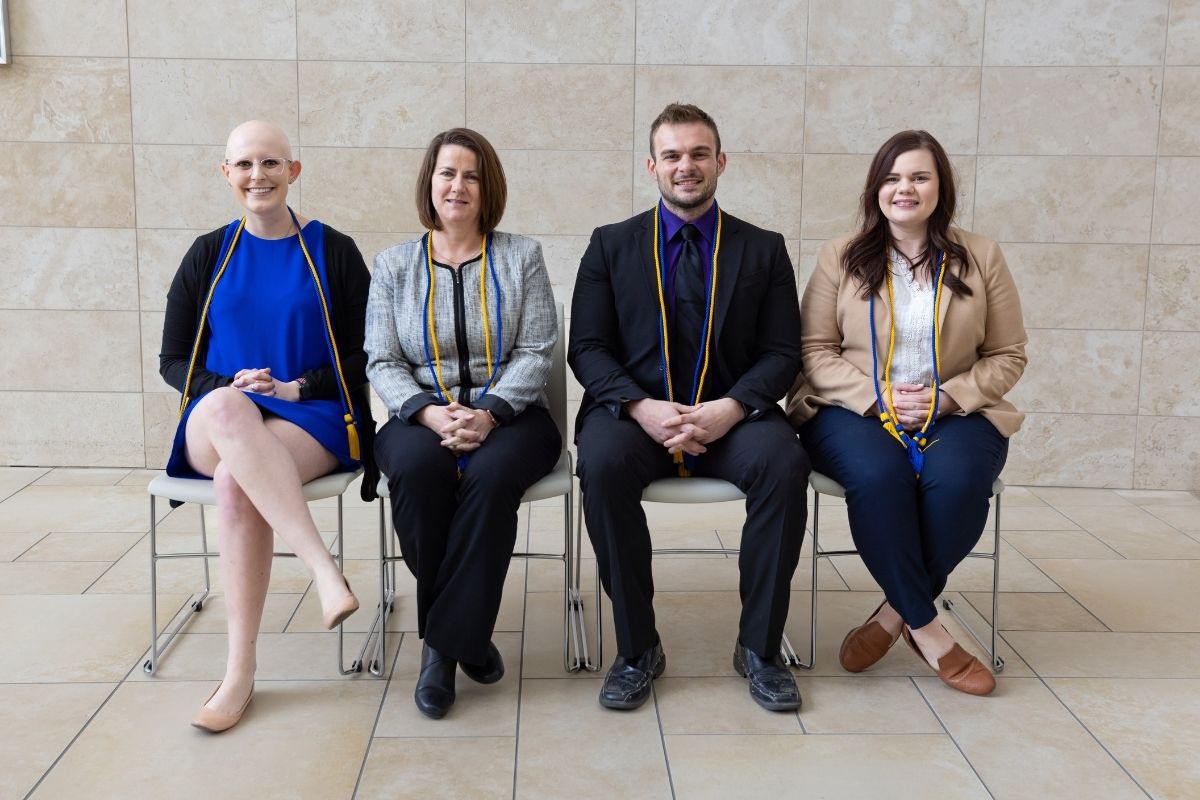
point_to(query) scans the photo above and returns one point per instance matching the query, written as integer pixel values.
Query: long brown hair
(866, 256)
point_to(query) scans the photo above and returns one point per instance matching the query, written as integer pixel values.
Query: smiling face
(909, 193)
(685, 164)
(260, 190)
(455, 187)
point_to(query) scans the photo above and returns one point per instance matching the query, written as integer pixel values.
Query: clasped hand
(684, 428)
(260, 381)
(462, 429)
(911, 402)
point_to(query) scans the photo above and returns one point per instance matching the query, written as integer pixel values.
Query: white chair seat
(200, 490)
(555, 483)
(691, 490)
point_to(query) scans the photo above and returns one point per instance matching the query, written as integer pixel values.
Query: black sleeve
(595, 335)
(184, 300)
(349, 285)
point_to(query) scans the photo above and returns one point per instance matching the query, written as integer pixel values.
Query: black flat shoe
(490, 671)
(771, 683)
(435, 687)
(627, 684)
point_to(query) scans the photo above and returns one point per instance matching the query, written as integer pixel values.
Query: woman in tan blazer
(912, 335)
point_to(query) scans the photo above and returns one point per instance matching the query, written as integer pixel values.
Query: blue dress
(266, 313)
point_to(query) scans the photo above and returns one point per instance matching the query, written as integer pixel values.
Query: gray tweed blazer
(395, 338)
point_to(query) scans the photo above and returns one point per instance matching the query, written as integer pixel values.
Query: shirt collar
(707, 224)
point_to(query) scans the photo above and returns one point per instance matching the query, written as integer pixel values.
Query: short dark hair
(679, 114)
(493, 187)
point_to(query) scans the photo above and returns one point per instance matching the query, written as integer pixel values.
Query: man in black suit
(685, 333)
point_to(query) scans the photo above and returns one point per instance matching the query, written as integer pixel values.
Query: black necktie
(690, 314)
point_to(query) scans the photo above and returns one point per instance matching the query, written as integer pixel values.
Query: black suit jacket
(614, 348)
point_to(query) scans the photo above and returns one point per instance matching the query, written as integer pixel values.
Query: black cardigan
(349, 284)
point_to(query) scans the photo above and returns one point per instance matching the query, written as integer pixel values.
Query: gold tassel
(352, 437)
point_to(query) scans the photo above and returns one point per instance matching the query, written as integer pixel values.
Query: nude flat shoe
(865, 645)
(215, 721)
(958, 669)
(339, 614)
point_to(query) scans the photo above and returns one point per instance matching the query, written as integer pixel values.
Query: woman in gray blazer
(460, 327)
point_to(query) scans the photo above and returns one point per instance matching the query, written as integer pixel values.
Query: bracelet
(492, 417)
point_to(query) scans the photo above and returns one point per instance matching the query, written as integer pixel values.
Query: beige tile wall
(1072, 126)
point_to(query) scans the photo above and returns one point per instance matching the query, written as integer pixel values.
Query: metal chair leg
(948, 604)
(194, 606)
(812, 612)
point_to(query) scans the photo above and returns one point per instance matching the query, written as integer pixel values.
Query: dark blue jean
(911, 533)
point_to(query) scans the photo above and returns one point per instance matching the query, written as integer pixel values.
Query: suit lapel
(644, 242)
(729, 265)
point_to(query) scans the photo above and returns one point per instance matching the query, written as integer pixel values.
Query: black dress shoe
(490, 671)
(771, 683)
(435, 687)
(627, 684)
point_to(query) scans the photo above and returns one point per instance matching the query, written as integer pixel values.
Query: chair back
(556, 382)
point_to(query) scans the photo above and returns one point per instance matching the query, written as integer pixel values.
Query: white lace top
(913, 359)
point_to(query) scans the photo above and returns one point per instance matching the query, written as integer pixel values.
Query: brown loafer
(958, 669)
(865, 645)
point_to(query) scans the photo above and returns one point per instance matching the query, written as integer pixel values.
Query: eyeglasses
(271, 165)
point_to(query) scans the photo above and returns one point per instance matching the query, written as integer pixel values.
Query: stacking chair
(200, 492)
(822, 484)
(685, 490)
(559, 482)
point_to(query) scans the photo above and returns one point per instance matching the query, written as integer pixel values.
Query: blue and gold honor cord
(684, 462)
(915, 445)
(348, 404)
(433, 356)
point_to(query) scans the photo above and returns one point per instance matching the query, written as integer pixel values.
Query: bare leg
(934, 640)
(269, 460)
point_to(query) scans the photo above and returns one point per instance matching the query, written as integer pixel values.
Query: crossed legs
(258, 467)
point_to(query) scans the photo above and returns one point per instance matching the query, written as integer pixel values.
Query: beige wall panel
(550, 31)
(1175, 219)
(65, 100)
(1170, 374)
(1183, 38)
(1098, 286)
(806, 262)
(1070, 111)
(1080, 372)
(1075, 32)
(363, 189)
(71, 351)
(181, 186)
(160, 417)
(68, 185)
(1168, 453)
(757, 109)
(363, 104)
(1173, 288)
(562, 254)
(72, 429)
(263, 29)
(742, 191)
(186, 101)
(68, 268)
(915, 33)
(562, 192)
(715, 32)
(1064, 199)
(159, 253)
(1180, 131)
(1073, 450)
(568, 106)
(380, 30)
(856, 109)
(57, 28)
(151, 329)
(374, 243)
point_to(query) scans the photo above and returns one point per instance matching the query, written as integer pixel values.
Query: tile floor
(1100, 697)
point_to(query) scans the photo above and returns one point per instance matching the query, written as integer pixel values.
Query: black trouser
(763, 458)
(911, 533)
(457, 534)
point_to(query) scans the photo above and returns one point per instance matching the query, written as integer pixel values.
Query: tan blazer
(983, 338)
